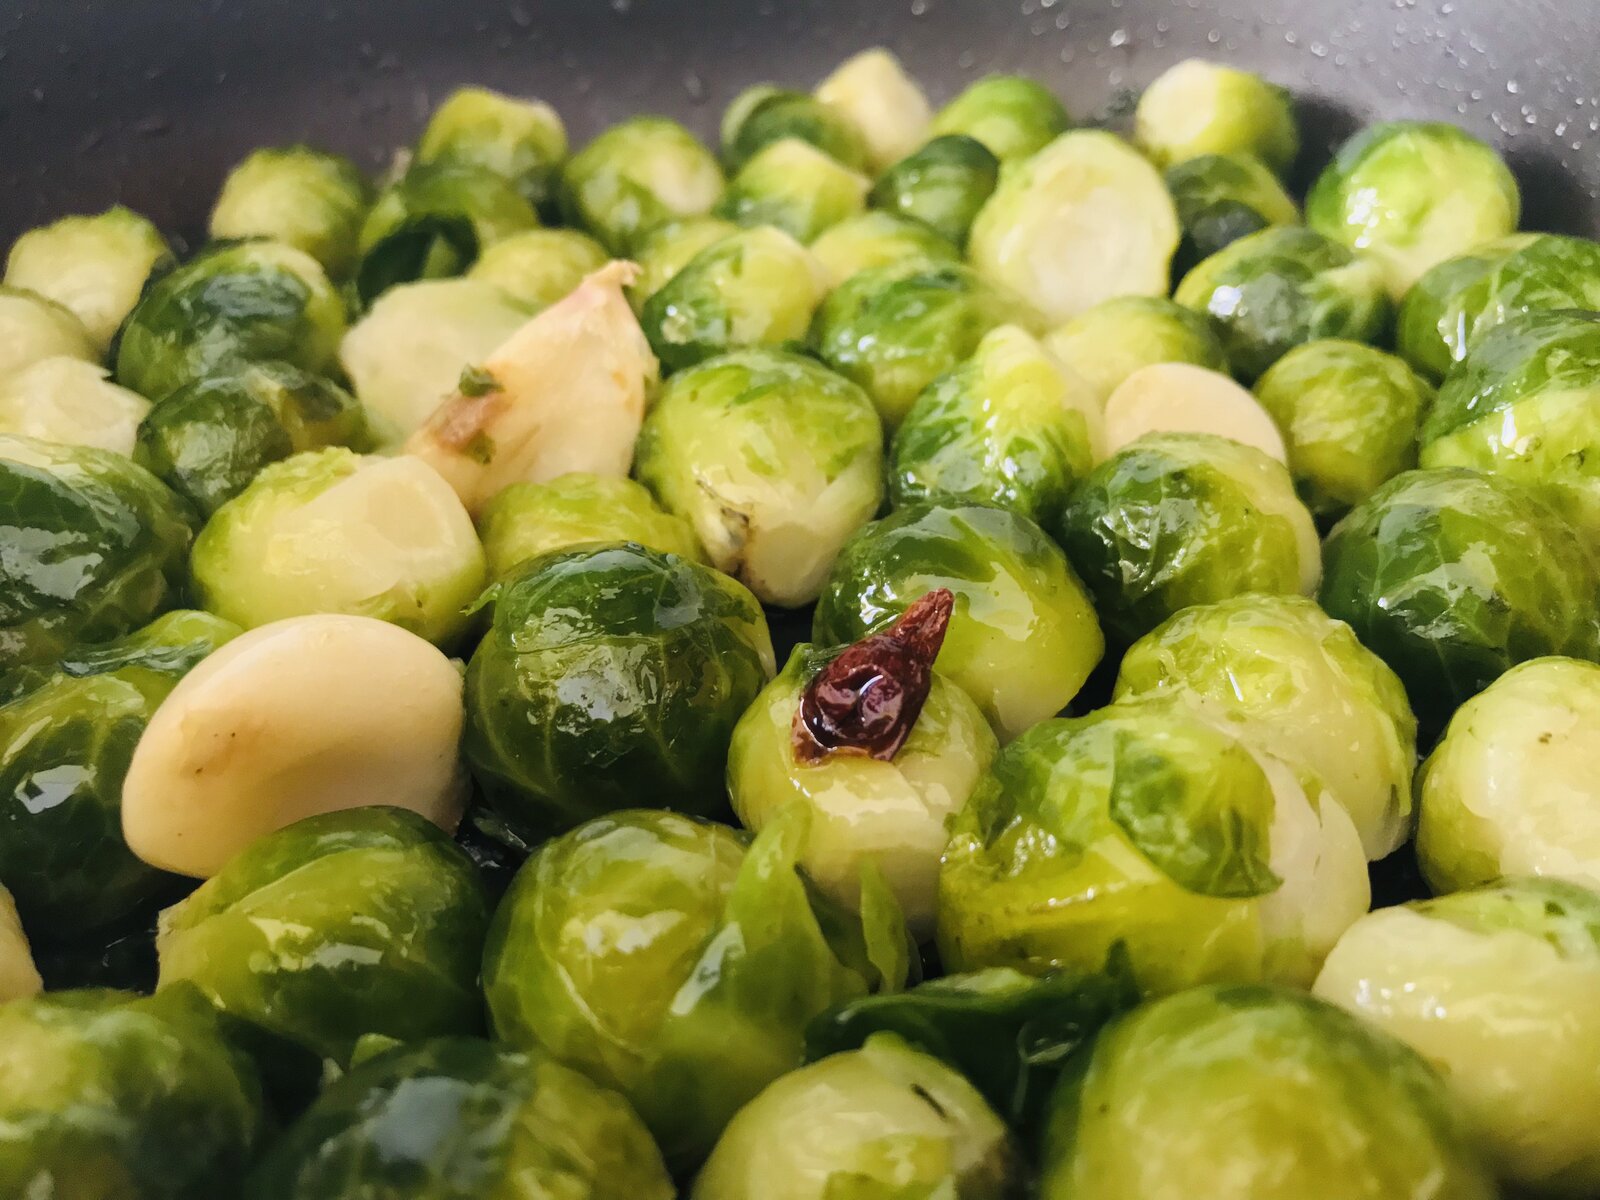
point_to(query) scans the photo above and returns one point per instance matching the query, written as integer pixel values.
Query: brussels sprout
(1296, 683)
(1007, 426)
(309, 199)
(540, 266)
(878, 239)
(34, 329)
(312, 715)
(660, 957)
(66, 736)
(1412, 194)
(873, 92)
(1498, 989)
(755, 287)
(107, 1094)
(95, 547)
(529, 519)
(18, 976)
(1452, 577)
(1107, 343)
(233, 302)
(1182, 398)
(635, 176)
(306, 536)
(1085, 219)
(1024, 636)
(523, 141)
(943, 185)
(344, 924)
(70, 401)
(1221, 198)
(1186, 518)
(879, 1122)
(772, 459)
(407, 354)
(666, 249)
(1197, 108)
(1350, 414)
(434, 222)
(761, 115)
(1010, 114)
(610, 674)
(1274, 290)
(1513, 787)
(1234, 1092)
(796, 187)
(461, 1119)
(896, 329)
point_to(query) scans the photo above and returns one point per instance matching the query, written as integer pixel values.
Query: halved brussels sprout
(1297, 683)
(882, 1121)
(95, 266)
(873, 92)
(70, 401)
(761, 115)
(1024, 636)
(1452, 577)
(1183, 398)
(1513, 787)
(1411, 194)
(1010, 114)
(610, 675)
(34, 329)
(1256, 1092)
(1107, 343)
(331, 531)
(1200, 107)
(635, 176)
(107, 1093)
(1176, 519)
(523, 141)
(539, 266)
(772, 459)
(233, 302)
(458, 1117)
(306, 198)
(1085, 219)
(96, 547)
(1499, 989)
(341, 925)
(1221, 198)
(943, 185)
(1277, 289)
(1008, 426)
(667, 248)
(18, 976)
(796, 187)
(878, 239)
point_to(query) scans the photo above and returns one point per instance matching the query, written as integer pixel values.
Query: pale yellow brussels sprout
(523, 141)
(878, 239)
(796, 187)
(312, 200)
(73, 402)
(539, 266)
(667, 249)
(18, 976)
(635, 176)
(1112, 340)
(1200, 107)
(1183, 398)
(885, 104)
(33, 329)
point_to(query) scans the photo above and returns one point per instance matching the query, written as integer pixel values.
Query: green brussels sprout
(609, 674)
(73, 402)
(210, 438)
(107, 1094)
(895, 329)
(761, 115)
(1085, 219)
(666, 249)
(1145, 827)
(308, 199)
(1012, 115)
(94, 266)
(1249, 1091)
(305, 537)
(878, 239)
(874, 93)
(526, 520)
(18, 976)
(539, 266)
(1513, 787)
(461, 1119)
(522, 141)
(1411, 194)
(1497, 989)
(364, 921)
(635, 176)
(67, 733)
(95, 547)
(943, 185)
(1198, 107)
(34, 329)
(1221, 198)
(1350, 415)
(433, 222)
(1452, 577)
(233, 302)
(879, 1123)
(1008, 426)
(756, 287)
(772, 459)
(1277, 289)
(1295, 682)
(1175, 519)
(1107, 343)
(1024, 636)
(662, 958)
(796, 187)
